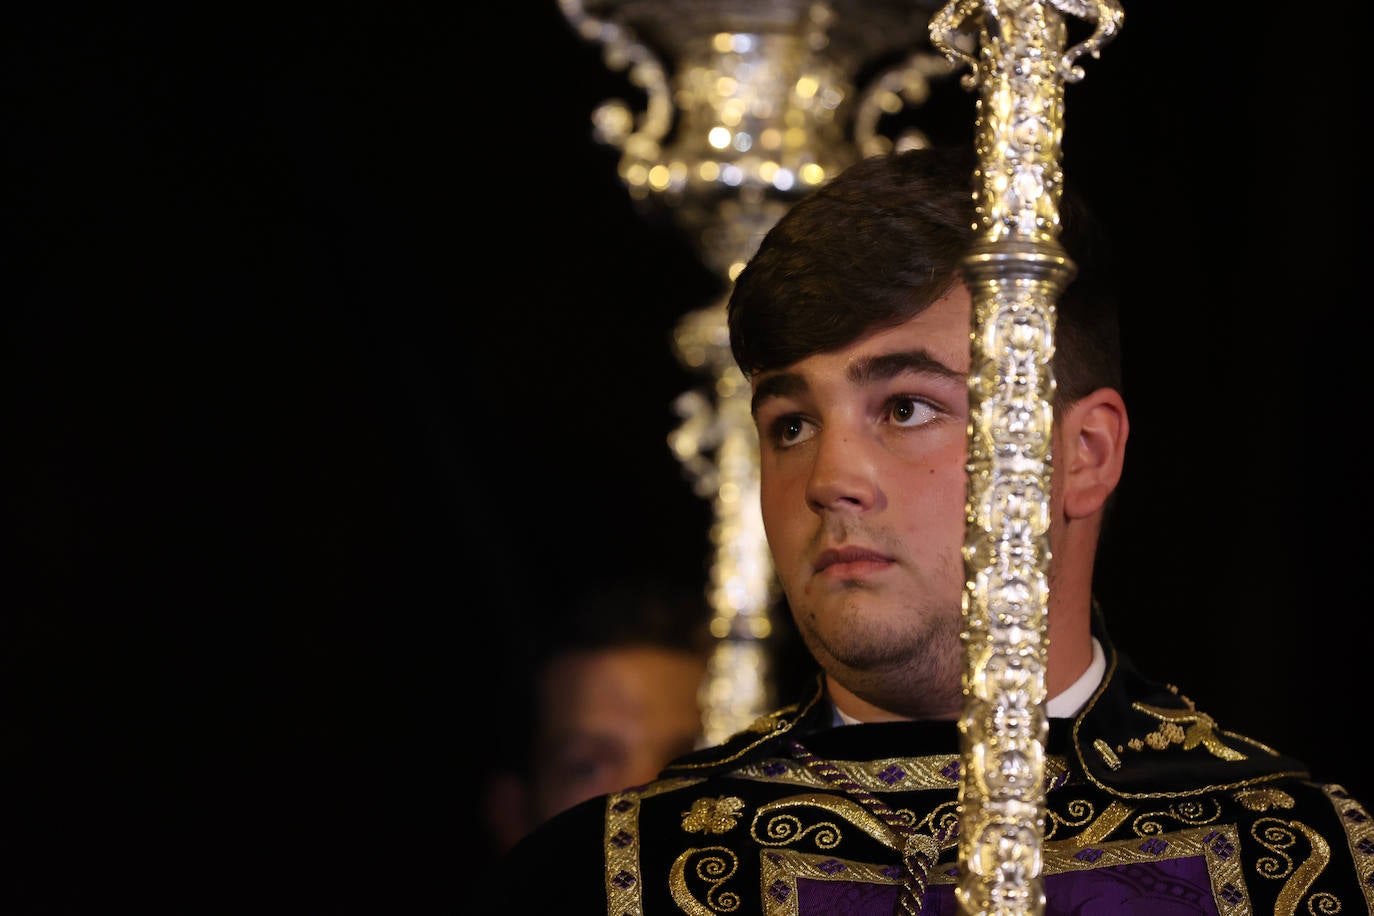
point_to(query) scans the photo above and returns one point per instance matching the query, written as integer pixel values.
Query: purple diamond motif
(1223, 848)
(1153, 846)
(830, 866)
(622, 839)
(951, 770)
(892, 774)
(772, 857)
(623, 880)
(1357, 815)
(779, 891)
(892, 871)
(1365, 846)
(774, 768)
(621, 806)
(1231, 894)
(1088, 855)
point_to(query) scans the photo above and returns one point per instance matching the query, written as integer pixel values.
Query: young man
(852, 322)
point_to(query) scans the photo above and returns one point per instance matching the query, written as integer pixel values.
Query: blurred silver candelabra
(757, 107)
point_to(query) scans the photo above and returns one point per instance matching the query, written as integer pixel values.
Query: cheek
(780, 501)
(772, 501)
(933, 499)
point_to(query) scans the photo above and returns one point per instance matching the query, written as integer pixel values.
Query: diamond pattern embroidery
(892, 774)
(1154, 846)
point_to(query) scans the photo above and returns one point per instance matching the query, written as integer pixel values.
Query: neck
(1069, 654)
(853, 708)
(1069, 650)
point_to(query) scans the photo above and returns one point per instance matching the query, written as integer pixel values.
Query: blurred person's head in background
(607, 695)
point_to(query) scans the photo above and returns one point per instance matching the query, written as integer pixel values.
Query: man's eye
(909, 411)
(581, 769)
(790, 429)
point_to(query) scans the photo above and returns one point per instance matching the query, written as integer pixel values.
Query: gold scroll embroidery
(783, 828)
(1278, 837)
(715, 866)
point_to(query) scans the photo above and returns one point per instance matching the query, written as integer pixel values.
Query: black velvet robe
(1151, 808)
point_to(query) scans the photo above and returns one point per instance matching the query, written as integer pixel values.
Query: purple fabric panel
(859, 898)
(1170, 887)
(1173, 887)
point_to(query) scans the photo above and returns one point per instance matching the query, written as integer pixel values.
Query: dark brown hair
(883, 240)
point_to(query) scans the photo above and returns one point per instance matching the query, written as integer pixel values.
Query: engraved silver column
(757, 108)
(1016, 272)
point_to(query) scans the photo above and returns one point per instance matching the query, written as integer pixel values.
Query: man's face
(862, 454)
(612, 718)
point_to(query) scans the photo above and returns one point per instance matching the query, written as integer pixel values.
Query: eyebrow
(863, 372)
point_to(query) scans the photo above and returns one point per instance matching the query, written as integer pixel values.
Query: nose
(843, 475)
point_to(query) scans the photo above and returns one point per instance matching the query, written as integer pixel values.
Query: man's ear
(1094, 443)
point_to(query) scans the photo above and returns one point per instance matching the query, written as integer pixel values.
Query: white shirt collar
(1063, 706)
(1069, 701)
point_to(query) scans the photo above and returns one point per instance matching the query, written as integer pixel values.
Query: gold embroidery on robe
(775, 824)
(1112, 817)
(781, 869)
(1201, 730)
(769, 722)
(1112, 761)
(892, 774)
(712, 815)
(624, 884)
(1217, 846)
(1189, 812)
(1264, 799)
(1359, 836)
(1279, 837)
(713, 866)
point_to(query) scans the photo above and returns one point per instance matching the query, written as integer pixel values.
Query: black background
(336, 355)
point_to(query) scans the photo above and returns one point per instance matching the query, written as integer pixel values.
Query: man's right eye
(790, 429)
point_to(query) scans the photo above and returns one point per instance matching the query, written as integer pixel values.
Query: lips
(850, 560)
